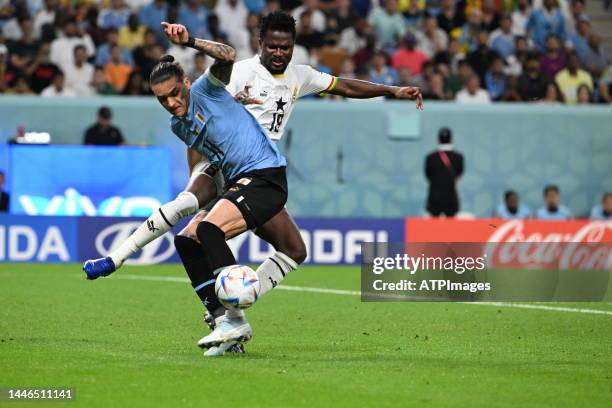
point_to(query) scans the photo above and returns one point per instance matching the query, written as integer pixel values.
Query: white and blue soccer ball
(237, 286)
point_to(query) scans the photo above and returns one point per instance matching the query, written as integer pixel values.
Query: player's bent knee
(185, 245)
(295, 251)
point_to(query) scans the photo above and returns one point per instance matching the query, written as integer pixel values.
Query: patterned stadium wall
(366, 159)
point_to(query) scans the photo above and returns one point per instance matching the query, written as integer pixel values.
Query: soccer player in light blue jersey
(208, 120)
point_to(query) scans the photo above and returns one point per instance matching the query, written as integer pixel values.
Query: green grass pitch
(119, 341)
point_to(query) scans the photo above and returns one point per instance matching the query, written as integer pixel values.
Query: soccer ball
(237, 286)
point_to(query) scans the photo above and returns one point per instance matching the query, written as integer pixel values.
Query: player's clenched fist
(177, 33)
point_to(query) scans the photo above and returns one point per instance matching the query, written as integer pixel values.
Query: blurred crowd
(471, 51)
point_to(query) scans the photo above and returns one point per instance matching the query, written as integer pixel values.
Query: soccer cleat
(228, 329)
(209, 320)
(94, 268)
(228, 347)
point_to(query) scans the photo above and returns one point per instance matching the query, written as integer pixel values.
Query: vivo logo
(155, 252)
(73, 203)
(22, 243)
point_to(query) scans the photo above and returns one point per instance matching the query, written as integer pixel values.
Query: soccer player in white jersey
(269, 85)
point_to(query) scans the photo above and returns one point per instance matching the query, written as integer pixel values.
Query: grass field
(125, 341)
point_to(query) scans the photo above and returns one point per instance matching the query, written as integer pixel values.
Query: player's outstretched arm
(355, 88)
(223, 54)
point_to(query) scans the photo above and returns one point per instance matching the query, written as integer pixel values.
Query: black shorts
(258, 194)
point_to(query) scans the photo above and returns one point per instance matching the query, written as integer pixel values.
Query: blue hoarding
(89, 180)
(71, 239)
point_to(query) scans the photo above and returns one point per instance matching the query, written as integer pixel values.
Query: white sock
(160, 222)
(273, 271)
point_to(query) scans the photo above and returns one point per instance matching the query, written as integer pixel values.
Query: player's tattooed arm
(223, 54)
(355, 88)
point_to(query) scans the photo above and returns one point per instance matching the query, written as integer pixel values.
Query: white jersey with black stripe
(278, 93)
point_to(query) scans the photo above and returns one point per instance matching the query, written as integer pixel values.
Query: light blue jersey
(562, 213)
(503, 212)
(222, 130)
(597, 213)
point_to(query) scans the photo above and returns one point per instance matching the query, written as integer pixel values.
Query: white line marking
(358, 293)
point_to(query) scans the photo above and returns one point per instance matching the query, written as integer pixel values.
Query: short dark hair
(508, 193)
(445, 135)
(105, 112)
(550, 187)
(277, 21)
(165, 69)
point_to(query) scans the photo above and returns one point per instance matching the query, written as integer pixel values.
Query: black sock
(215, 248)
(200, 273)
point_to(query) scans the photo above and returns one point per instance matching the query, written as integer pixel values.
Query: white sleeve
(313, 81)
(239, 78)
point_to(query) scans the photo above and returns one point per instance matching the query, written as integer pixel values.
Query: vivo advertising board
(88, 180)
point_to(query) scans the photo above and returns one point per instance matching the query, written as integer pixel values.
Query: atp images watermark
(509, 271)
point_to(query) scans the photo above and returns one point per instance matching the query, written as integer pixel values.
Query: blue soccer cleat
(99, 267)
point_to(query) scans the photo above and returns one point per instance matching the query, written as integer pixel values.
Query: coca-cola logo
(586, 248)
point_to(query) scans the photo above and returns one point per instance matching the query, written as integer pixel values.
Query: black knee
(294, 250)
(186, 246)
(207, 231)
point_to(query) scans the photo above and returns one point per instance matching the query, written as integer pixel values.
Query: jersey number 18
(277, 120)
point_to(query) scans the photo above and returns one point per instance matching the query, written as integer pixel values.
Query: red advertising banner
(498, 230)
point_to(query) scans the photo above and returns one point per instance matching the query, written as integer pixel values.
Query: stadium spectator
(496, 81)
(388, 23)
(183, 55)
(472, 93)
(103, 55)
(318, 21)
(603, 211)
(20, 86)
(79, 76)
(58, 87)
(532, 83)
(481, 58)
(341, 16)
(347, 69)
(490, 16)
(115, 16)
(148, 55)
(365, 54)
(100, 84)
(42, 70)
(44, 16)
(152, 15)
(595, 60)
(103, 133)
(380, 72)
(23, 50)
(545, 22)
(62, 48)
(605, 85)
(468, 34)
(413, 13)
(442, 169)
(571, 78)
(552, 60)
(132, 35)
(432, 39)
(584, 95)
(451, 16)
(450, 56)
(573, 15)
(199, 66)
(501, 40)
(307, 36)
(255, 6)
(579, 41)
(520, 16)
(553, 94)
(435, 88)
(193, 15)
(407, 79)
(136, 85)
(5, 198)
(91, 27)
(409, 56)
(116, 71)
(552, 209)
(355, 37)
(511, 207)
(232, 16)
